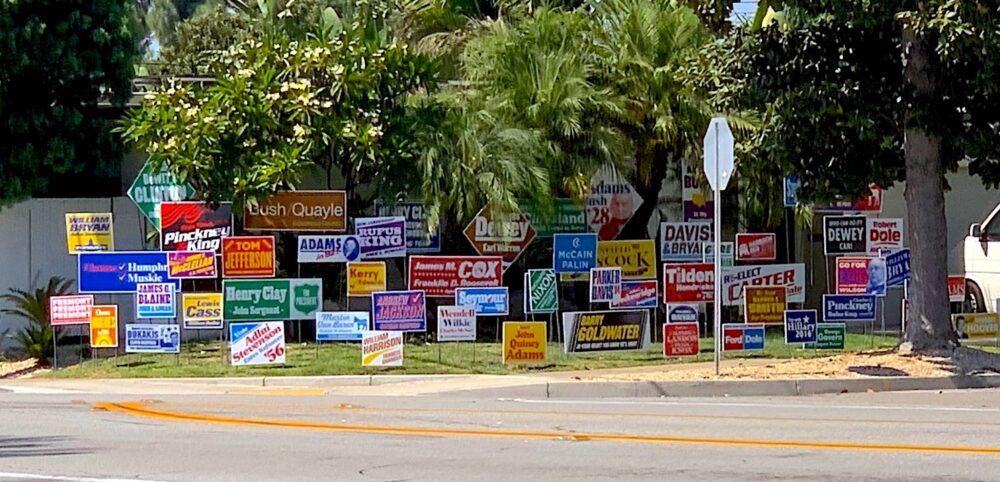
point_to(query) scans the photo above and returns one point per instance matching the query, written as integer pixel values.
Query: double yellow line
(140, 410)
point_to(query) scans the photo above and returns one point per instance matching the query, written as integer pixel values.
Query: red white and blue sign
(329, 249)
(260, 343)
(636, 294)
(742, 337)
(155, 300)
(381, 237)
(399, 311)
(160, 338)
(681, 313)
(848, 308)
(341, 325)
(486, 301)
(800, 326)
(121, 271)
(574, 253)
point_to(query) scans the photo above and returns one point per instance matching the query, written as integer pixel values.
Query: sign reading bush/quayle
(159, 338)
(273, 299)
(485, 301)
(299, 211)
(848, 307)
(574, 253)
(257, 343)
(589, 331)
(121, 271)
(399, 311)
(800, 326)
(341, 325)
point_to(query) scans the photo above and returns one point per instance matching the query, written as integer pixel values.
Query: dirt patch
(14, 369)
(848, 365)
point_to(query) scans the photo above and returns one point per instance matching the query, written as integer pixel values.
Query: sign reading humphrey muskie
(299, 211)
(590, 331)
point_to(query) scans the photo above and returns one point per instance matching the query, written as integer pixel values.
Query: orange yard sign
(104, 326)
(365, 278)
(248, 257)
(524, 343)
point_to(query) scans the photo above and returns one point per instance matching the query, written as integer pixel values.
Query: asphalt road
(300, 435)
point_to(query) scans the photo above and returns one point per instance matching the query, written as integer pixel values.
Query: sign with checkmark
(121, 271)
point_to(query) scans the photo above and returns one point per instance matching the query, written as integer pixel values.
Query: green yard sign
(567, 216)
(829, 336)
(271, 299)
(543, 293)
(152, 188)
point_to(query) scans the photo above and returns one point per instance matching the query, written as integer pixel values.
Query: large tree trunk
(652, 162)
(929, 327)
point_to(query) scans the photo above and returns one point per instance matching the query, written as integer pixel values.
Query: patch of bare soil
(10, 369)
(848, 365)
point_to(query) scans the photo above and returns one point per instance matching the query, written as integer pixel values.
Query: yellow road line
(139, 410)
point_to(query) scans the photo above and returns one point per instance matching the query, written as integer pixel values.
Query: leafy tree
(58, 60)
(36, 339)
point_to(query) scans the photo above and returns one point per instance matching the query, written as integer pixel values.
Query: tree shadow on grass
(133, 364)
(11, 447)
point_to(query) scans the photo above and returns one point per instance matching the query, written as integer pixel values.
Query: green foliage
(57, 60)
(35, 340)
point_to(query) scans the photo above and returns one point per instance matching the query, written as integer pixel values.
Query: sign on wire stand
(272, 299)
(88, 232)
(365, 277)
(976, 326)
(800, 326)
(159, 338)
(104, 326)
(764, 305)
(742, 337)
(726, 253)
(848, 307)
(341, 325)
(680, 339)
(524, 342)
(829, 336)
(605, 284)
(155, 300)
(485, 301)
(884, 234)
(399, 311)
(202, 311)
(191, 265)
(194, 226)
(248, 257)
(456, 323)
(257, 343)
(541, 292)
(591, 331)
(382, 349)
(860, 275)
(682, 313)
(70, 309)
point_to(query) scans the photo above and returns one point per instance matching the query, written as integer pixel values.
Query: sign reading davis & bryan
(272, 299)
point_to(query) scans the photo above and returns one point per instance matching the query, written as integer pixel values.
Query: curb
(350, 380)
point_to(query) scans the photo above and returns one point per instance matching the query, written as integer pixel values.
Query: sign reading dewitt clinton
(299, 211)
(439, 275)
(152, 188)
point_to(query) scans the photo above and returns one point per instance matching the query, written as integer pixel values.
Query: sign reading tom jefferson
(299, 211)
(439, 276)
(248, 257)
(507, 238)
(590, 331)
(845, 234)
(271, 299)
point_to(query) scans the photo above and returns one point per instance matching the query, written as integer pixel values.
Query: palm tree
(36, 338)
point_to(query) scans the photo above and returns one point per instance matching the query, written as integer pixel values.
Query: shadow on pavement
(35, 447)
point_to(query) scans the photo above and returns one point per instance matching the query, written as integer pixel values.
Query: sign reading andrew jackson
(299, 211)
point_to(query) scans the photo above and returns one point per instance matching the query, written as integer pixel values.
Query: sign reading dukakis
(272, 299)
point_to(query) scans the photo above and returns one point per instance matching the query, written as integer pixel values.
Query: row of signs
(861, 235)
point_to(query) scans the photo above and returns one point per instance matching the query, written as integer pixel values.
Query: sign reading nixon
(574, 253)
(848, 307)
(845, 234)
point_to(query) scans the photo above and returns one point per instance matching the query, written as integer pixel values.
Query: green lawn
(205, 359)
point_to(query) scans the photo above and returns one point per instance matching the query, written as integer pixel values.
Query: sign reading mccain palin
(791, 276)
(121, 271)
(574, 253)
(492, 236)
(194, 226)
(299, 211)
(684, 241)
(381, 237)
(439, 276)
(152, 188)
(272, 299)
(89, 232)
(590, 331)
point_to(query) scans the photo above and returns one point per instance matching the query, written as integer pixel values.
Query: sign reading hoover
(272, 299)
(972, 326)
(524, 343)
(844, 235)
(248, 257)
(194, 226)
(507, 238)
(299, 211)
(684, 241)
(381, 237)
(688, 282)
(191, 265)
(382, 349)
(159, 338)
(591, 331)
(86, 232)
(257, 343)
(365, 278)
(439, 276)
(399, 311)
(121, 271)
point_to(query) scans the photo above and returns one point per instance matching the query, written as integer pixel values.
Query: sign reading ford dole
(299, 211)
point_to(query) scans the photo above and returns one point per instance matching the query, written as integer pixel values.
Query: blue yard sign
(791, 190)
(800, 326)
(120, 272)
(486, 301)
(848, 308)
(574, 253)
(897, 267)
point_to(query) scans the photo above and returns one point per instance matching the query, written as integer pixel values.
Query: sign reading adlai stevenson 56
(257, 343)
(791, 276)
(684, 241)
(89, 232)
(272, 299)
(438, 276)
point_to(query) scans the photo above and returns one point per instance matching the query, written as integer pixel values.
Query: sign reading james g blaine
(299, 211)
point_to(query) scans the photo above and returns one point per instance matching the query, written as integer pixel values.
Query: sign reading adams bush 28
(438, 276)
(272, 299)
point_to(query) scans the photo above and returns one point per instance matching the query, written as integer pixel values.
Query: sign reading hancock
(299, 211)
(589, 331)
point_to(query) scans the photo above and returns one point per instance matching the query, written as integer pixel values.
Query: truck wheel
(974, 302)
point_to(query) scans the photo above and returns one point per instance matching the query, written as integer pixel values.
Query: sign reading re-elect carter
(273, 299)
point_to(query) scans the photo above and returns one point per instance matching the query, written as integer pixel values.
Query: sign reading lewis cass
(299, 211)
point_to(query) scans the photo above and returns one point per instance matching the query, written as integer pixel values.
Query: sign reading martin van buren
(848, 307)
(591, 331)
(456, 323)
(341, 325)
(257, 343)
(70, 309)
(439, 276)
(121, 271)
(155, 300)
(299, 211)
(688, 283)
(89, 232)
(191, 265)
(272, 299)
(680, 339)
(399, 311)
(844, 234)
(158, 338)
(684, 241)
(194, 226)
(248, 257)
(764, 305)
(791, 276)
(524, 342)
(382, 349)
(381, 237)
(202, 311)
(365, 278)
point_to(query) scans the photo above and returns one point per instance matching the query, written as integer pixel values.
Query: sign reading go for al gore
(202, 311)
(272, 299)
(248, 257)
(70, 310)
(299, 211)
(365, 277)
(688, 282)
(439, 276)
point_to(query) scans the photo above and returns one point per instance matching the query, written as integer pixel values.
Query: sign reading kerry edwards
(299, 211)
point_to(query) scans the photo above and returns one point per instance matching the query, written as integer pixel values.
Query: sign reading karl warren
(121, 271)
(791, 276)
(272, 299)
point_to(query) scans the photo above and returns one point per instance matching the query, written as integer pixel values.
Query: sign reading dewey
(495, 237)
(273, 299)
(524, 343)
(844, 234)
(299, 211)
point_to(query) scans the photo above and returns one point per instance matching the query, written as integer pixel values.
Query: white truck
(982, 265)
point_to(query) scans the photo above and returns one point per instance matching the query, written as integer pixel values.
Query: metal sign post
(718, 156)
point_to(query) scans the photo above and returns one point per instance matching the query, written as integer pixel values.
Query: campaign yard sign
(329, 249)
(636, 294)
(87, 232)
(829, 336)
(791, 190)
(272, 299)
(726, 253)
(605, 284)
(756, 247)
(682, 313)
(844, 235)
(382, 349)
(636, 258)
(248, 257)
(688, 283)
(194, 226)
(591, 331)
(159, 338)
(298, 211)
(191, 265)
(524, 342)
(848, 307)
(70, 309)
(897, 267)
(800, 326)
(574, 253)
(567, 216)
(504, 237)
(611, 203)
(440, 276)
(104, 326)
(764, 305)
(976, 326)
(365, 277)
(257, 343)
(956, 288)
(341, 325)
(383, 237)
(860, 275)
(202, 311)
(684, 242)
(884, 234)
(485, 301)
(456, 323)
(155, 300)
(151, 188)
(791, 276)
(121, 271)
(742, 337)
(420, 239)
(542, 291)
(399, 311)
(680, 339)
